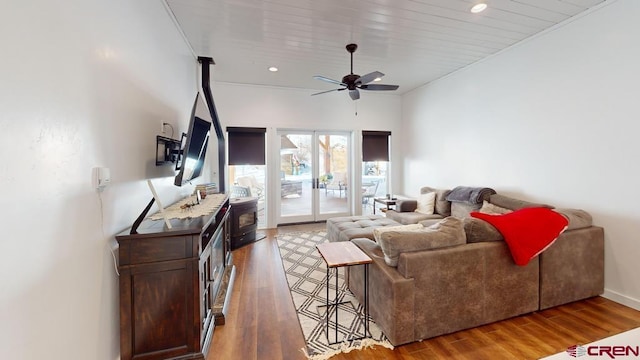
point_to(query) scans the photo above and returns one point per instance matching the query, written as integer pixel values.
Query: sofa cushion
(528, 231)
(377, 232)
(489, 208)
(478, 230)
(447, 232)
(350, 227)
(429, 222)
(426, 203)
(512, 203)
(410, 217)
(461, 210)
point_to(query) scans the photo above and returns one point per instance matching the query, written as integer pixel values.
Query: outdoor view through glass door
(314, 175)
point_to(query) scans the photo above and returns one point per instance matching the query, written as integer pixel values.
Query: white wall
(554, 119)
(287, 108)
(277, 107)
(84, 84)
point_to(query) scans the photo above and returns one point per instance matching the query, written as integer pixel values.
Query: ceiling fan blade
(322, 92)
(322, 78)
(379, 87)
(367, 78)
(355, 94)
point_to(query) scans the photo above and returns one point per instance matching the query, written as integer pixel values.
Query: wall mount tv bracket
(167, 150)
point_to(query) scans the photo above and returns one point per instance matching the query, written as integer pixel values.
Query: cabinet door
(161, 309)
(206, 292)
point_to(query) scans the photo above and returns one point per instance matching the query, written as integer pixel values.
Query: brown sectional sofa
(443, 290)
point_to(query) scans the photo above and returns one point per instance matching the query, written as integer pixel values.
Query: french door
(315, 180)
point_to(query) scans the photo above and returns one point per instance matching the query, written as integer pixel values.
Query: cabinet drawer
(141, 251)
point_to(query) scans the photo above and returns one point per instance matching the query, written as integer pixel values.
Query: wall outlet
(101, 177)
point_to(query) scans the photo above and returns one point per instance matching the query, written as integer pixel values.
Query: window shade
(375, 145)
(246, 146)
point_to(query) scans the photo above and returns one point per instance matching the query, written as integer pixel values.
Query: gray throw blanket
(471, 195)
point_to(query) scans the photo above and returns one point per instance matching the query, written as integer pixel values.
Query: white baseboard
(622, 299)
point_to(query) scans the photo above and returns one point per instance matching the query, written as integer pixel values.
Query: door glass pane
(296, 160)
(249, 180)
(374, 184)
(333, 165)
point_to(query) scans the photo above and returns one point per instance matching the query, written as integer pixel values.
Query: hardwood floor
(262, 322)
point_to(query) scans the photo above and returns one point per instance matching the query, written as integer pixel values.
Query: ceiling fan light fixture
(480, 7)
(273, 69)
(353, 82)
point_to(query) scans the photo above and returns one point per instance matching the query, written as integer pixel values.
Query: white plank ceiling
(412, 41)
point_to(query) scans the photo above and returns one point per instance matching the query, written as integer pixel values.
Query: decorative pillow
(447, 232)
(377, 232)
(426, 203)
(528, 231)
(442, 205)
(489, 208)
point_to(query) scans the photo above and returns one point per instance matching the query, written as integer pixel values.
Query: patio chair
(250, 182)
(240, 191)
(339, 183)
(369, 191)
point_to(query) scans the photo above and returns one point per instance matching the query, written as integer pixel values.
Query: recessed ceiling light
(273, 69)
(377, 79)
(478, 8)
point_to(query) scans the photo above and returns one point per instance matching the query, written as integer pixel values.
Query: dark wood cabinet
(170, 283)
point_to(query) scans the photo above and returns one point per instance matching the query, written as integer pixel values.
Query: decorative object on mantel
(206, 189)
(189, 207)
(305, 271)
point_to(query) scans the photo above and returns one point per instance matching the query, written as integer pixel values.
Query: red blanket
(528, 231)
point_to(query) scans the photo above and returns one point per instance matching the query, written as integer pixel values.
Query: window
(247, 170)
(246, 146)
(375, 166)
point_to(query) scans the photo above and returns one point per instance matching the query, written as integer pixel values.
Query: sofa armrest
(406, 205)
(573, 267)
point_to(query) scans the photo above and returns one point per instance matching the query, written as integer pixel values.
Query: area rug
(306, 275)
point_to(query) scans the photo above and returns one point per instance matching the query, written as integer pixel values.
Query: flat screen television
(193, 148)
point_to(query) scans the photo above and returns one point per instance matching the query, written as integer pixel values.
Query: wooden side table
(340, 254)
(385, 201)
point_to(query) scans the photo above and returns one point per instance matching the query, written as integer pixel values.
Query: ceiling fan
(353, 82)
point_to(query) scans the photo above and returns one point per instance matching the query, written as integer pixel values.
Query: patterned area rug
(306, 275)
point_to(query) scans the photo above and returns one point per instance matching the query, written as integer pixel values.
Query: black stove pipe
(206, 91)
